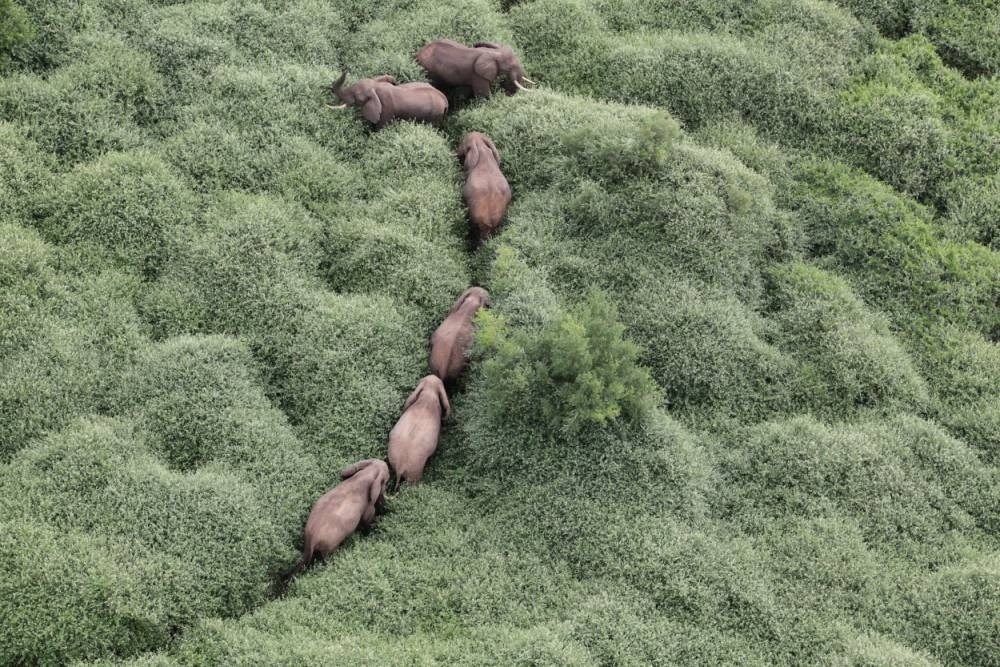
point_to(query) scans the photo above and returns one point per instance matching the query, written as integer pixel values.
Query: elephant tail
(280, 587)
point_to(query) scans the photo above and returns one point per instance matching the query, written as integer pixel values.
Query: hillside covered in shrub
(737, 400)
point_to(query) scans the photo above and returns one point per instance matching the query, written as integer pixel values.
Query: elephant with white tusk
(382, 100)
(449, 63)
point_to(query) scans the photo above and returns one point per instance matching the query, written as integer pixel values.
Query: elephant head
(377, 470)
(362, 93)
(475, 296)
(473, 147)
(431, 383)
(499, 61)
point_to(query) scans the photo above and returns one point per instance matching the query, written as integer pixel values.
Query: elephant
(342, 510)
(451, 341)
(383, 100)
(414, 438)
(486, 191)
(449, 63)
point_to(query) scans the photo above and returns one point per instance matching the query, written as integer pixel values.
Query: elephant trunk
(335, 88)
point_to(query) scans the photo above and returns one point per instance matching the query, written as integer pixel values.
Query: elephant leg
(480, 87)
(368, 516)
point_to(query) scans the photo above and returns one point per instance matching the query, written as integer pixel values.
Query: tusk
(518, 84)
(529, 80)
(342, 106)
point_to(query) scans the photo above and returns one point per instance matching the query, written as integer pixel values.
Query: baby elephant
(383, 101)
(452, 340)
(414, 438)
(487, 192)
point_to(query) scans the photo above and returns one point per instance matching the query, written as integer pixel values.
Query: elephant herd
(448, 64)
(355, 501)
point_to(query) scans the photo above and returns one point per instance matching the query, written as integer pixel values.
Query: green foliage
(165, 548)
(124, 206)
(15, 29)
(616, 233)
(55, 23)
(974, 210)
(710, 353)
(198, 401)
(892, 17)
(65, 345)
(577, 371)
(967, 34)
(24, 171)
(620, 157)
(102, 101)
(344, 372)
(906, 483)
(735, 401)
(848, 359)
(962, 368)
(968, 591)
(894, 254)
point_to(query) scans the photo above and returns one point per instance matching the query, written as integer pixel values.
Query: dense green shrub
(123, 206)
(15, 30)
(895, 134)
(961, 368)
(215, 292)
(73, 127)
(575, 372)
(67, 347)
(69, 595)
(55, 23)
(710, 353)
(345, 372)
(848, 358)
(368, 258)
(893, 18)
(955, 611)
(967, 34)
(874, 650)
(974, 210)
(624, 232)
(247, 270)
(24, 171)
(185, 545)
(430, 580)
(778, 75)
(909, 486)
(894, 254)
(99, 102)
(26, 276)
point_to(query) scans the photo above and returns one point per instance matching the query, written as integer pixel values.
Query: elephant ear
(372, 110)
(493, 149)
(412, 398)
(472, 157)
(386, 78)
(458, 304)
(486, 66)
(351, 470)
(486, 45)
(443, 397)
(375, 490)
